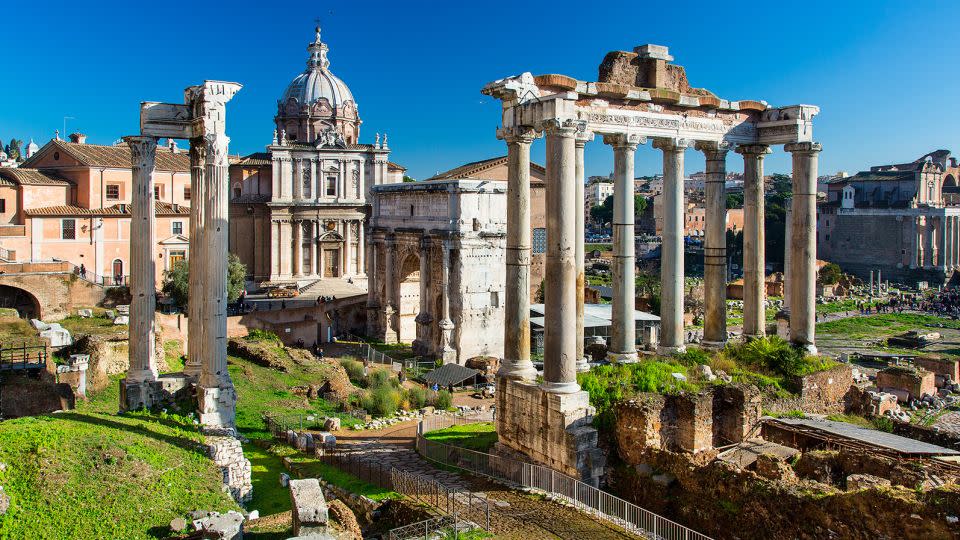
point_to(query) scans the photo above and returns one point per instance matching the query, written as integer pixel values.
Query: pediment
(175, 240)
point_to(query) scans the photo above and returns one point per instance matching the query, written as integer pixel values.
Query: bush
(692, 357)
(417, 397)
(443, 400)
(354, 370)
(382, 401)
(262, 335)
(380, 377)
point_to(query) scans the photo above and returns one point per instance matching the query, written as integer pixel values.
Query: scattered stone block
(85, 313)
(58, 335)
(253, 515)
(123, 309)
(216, 526)
(39, 325)
(4, 502)
(310, 512)
(178, 524)
(865, 481)
(284, 479)
(327, 439)
(121, 319)
(331, 424)
(109, 314)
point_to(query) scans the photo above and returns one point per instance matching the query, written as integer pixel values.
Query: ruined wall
(227, 453)
(942, 367)
(915, 382)
(723, 502)
(24, 395)
(824, 391)
(552, 429)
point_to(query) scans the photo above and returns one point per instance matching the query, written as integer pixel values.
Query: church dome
(317, 82)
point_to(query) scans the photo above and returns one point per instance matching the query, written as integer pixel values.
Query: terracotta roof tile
(256, 159)
(162, 209)
(116, 157)
(32, 177)
(476, 169)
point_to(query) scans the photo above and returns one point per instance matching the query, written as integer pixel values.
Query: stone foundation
(310, 511)
(227, 453)
(907, 383)
(552, 429)
(825, 391)
(217, 405)
(147, 395)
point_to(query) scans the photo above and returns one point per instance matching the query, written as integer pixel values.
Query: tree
(603, 213)
(409, 178)
(830, 274)
(734, 200)
(176, 281)
(13, 149)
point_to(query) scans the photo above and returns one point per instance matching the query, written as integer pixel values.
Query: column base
(192, 371)
(630, 357)
(518, 371)
(560, 387)
(449, 355)
(713, 345)
(583, 365)
(668, 350)
(217, 406)
(808, 348)
(136, 395)
(751, 337)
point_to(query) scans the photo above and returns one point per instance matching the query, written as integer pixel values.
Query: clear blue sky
(886, 75)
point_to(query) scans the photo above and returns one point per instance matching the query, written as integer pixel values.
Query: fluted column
(313, 247)
(560, 332)
(928, 242)
(424, 344)
(715, 245)
(143, 365)
(389, 302)
(516, 340)
(754, 260)
(298, 248)
(581, 143)
(348, 268)
(195, 306)
(803, 244)
(623, 328)
(671, 260)
(373, 291)
(447, 352)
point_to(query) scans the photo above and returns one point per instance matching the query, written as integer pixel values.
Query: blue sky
(885, 74)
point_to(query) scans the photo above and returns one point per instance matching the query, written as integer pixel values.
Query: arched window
(117, 272)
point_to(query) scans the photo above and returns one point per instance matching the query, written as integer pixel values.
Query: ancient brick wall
(915, 382)
(56, 295)
(824, 391)
(944, 367)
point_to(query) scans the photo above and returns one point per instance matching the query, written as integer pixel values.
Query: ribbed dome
(313, 84)
(317, 81)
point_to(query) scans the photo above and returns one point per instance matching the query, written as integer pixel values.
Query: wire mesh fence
(441, 527)
(582, 496)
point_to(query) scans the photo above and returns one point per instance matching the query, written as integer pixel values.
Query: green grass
(15, 331)
(310, 467)
(480, 437)
(883, 325)
(90, 475)
(269, 497)
(97, 325)
(601, 247)
(851, 419)
(262, 390)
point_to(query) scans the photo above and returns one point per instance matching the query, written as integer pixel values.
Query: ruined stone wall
(943, 367)
(824, 391)
(552, 429)
(227, 453)
(915, 382)
(24, 395)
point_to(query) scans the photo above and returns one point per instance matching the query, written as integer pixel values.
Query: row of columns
(287, 244)
(563, 335)
(303, 179)
(207, 309)
(937, 243)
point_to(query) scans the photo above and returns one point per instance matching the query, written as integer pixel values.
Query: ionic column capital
(809, 148)
(518, 134)
(755, 150)
(671, 144)
(563, 128)
(143, 150)
(713, 150)
(624, 140)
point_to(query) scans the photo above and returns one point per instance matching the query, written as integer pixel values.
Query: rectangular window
(113, 192)
(3, 205)
(331, 186)
(494, 299)
(177, 227)
(68, 229)
(157, 192)
(175, 257)
(186, 193)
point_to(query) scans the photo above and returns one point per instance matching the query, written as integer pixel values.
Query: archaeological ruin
(640, 96)
(201, 120)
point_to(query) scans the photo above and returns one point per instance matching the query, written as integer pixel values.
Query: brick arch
(55, 294)
(25, 302)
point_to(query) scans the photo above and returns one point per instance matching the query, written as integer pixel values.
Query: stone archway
(950, 191)
(26, 304)
(408, 280)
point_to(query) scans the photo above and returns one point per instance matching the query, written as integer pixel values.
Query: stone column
(215, 393)
(424, 345)
(195, 310)
(389, 302)
(787, 254)
(373, 292)
(297, 248)
(715, 246)
(671, 261)
(918, 242)
(347, 252)
(313, 247)
(581, 143)
(361, 249)
(928, 241)
(297, 179)
(560, 332)
(943, 240)
(516, 340)
(447, 352)
(804, 245)
(143, 366)
(623, 328)
(274, 248)
(754, 261)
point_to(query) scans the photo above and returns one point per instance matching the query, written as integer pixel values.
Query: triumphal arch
(640, 97)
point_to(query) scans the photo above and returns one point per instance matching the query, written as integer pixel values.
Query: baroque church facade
(298, 211)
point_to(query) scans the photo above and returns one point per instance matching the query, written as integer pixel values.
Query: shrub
(262, 335)
(382, 401)
(443, 400)
(883, 423)
(771, 353)
(379, 377)
(417, 397)
(354, 370)
(693, 356)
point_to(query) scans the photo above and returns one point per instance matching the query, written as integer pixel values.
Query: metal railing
(365, 351)
(428, 528)
(583, 497)
(23, 357)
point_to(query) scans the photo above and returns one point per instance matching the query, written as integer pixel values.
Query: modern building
(901, 219)
(298, 210)
(596, 191)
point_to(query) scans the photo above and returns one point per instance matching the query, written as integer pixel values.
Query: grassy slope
(883, 325)
(480, 437)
